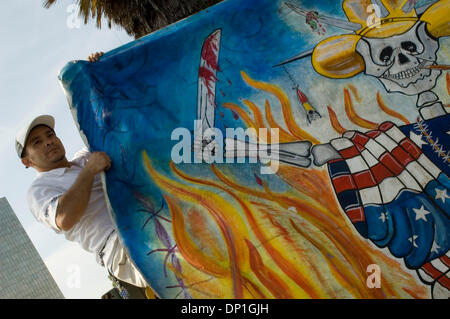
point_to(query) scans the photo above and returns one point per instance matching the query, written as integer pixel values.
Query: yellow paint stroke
(231, 229)
(257, 115)
(340, 271)
(389, 111)
(285, 106)
(357, 252)
(271, 271)
(294, 272)
(254, 290)
(355, 93)
(186, 246)
(447, 77)
(335, 122)
(267, 194)
(269, 278)
(199, 226)
(309, 205)
(258, 120)
(310, 183)
(303, 254)
(347, 244)
(285, 137)
(196, 281)
(413, 293)
(243, 115)
(335, 229)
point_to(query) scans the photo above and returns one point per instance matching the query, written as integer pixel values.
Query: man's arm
(73, 203)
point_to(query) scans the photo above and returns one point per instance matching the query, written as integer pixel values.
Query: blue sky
(37, 43)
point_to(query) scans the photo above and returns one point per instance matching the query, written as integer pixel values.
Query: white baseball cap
(21, 137)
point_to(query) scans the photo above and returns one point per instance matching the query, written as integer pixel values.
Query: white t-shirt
(94, 227)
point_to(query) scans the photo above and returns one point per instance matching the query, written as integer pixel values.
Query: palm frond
(137, 17)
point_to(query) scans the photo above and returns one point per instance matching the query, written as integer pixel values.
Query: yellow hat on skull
(336, 57)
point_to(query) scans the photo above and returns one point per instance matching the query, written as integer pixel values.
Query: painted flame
(240, 240)
(447, 77)
(293, 127)
(335, 122)
(389, 111)
(271, 252)
(351, 113)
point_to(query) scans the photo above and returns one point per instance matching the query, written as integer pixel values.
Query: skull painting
(399, 61)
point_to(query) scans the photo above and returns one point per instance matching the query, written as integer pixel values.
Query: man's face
(43, 149)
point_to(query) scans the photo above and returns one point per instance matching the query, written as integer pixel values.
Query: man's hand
(98, 162)
(94, 56)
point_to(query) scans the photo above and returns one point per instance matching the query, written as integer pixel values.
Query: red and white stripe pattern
(381, 164)
(437, 270)
(378, 165)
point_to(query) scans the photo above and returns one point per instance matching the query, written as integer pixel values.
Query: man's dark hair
(139, 17)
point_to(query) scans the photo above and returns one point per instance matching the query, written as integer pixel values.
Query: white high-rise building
(23, 273)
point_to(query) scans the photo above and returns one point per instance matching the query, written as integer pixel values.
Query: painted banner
(280, 149)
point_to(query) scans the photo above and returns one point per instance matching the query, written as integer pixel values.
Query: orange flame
(268, 277)
(256, 113)
(355, 93)
(339, 269)
(244, 116)
(350, 255)
(285, 106)
(356, 252)
(198, 225)
(287, 267)
(187, 248)
(285, 137)
(335, 122)
(389, 111)
(228, 228)
(322, 258)
(447, 77)
(355, 118)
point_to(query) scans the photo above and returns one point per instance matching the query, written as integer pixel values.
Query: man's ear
(26, 161)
